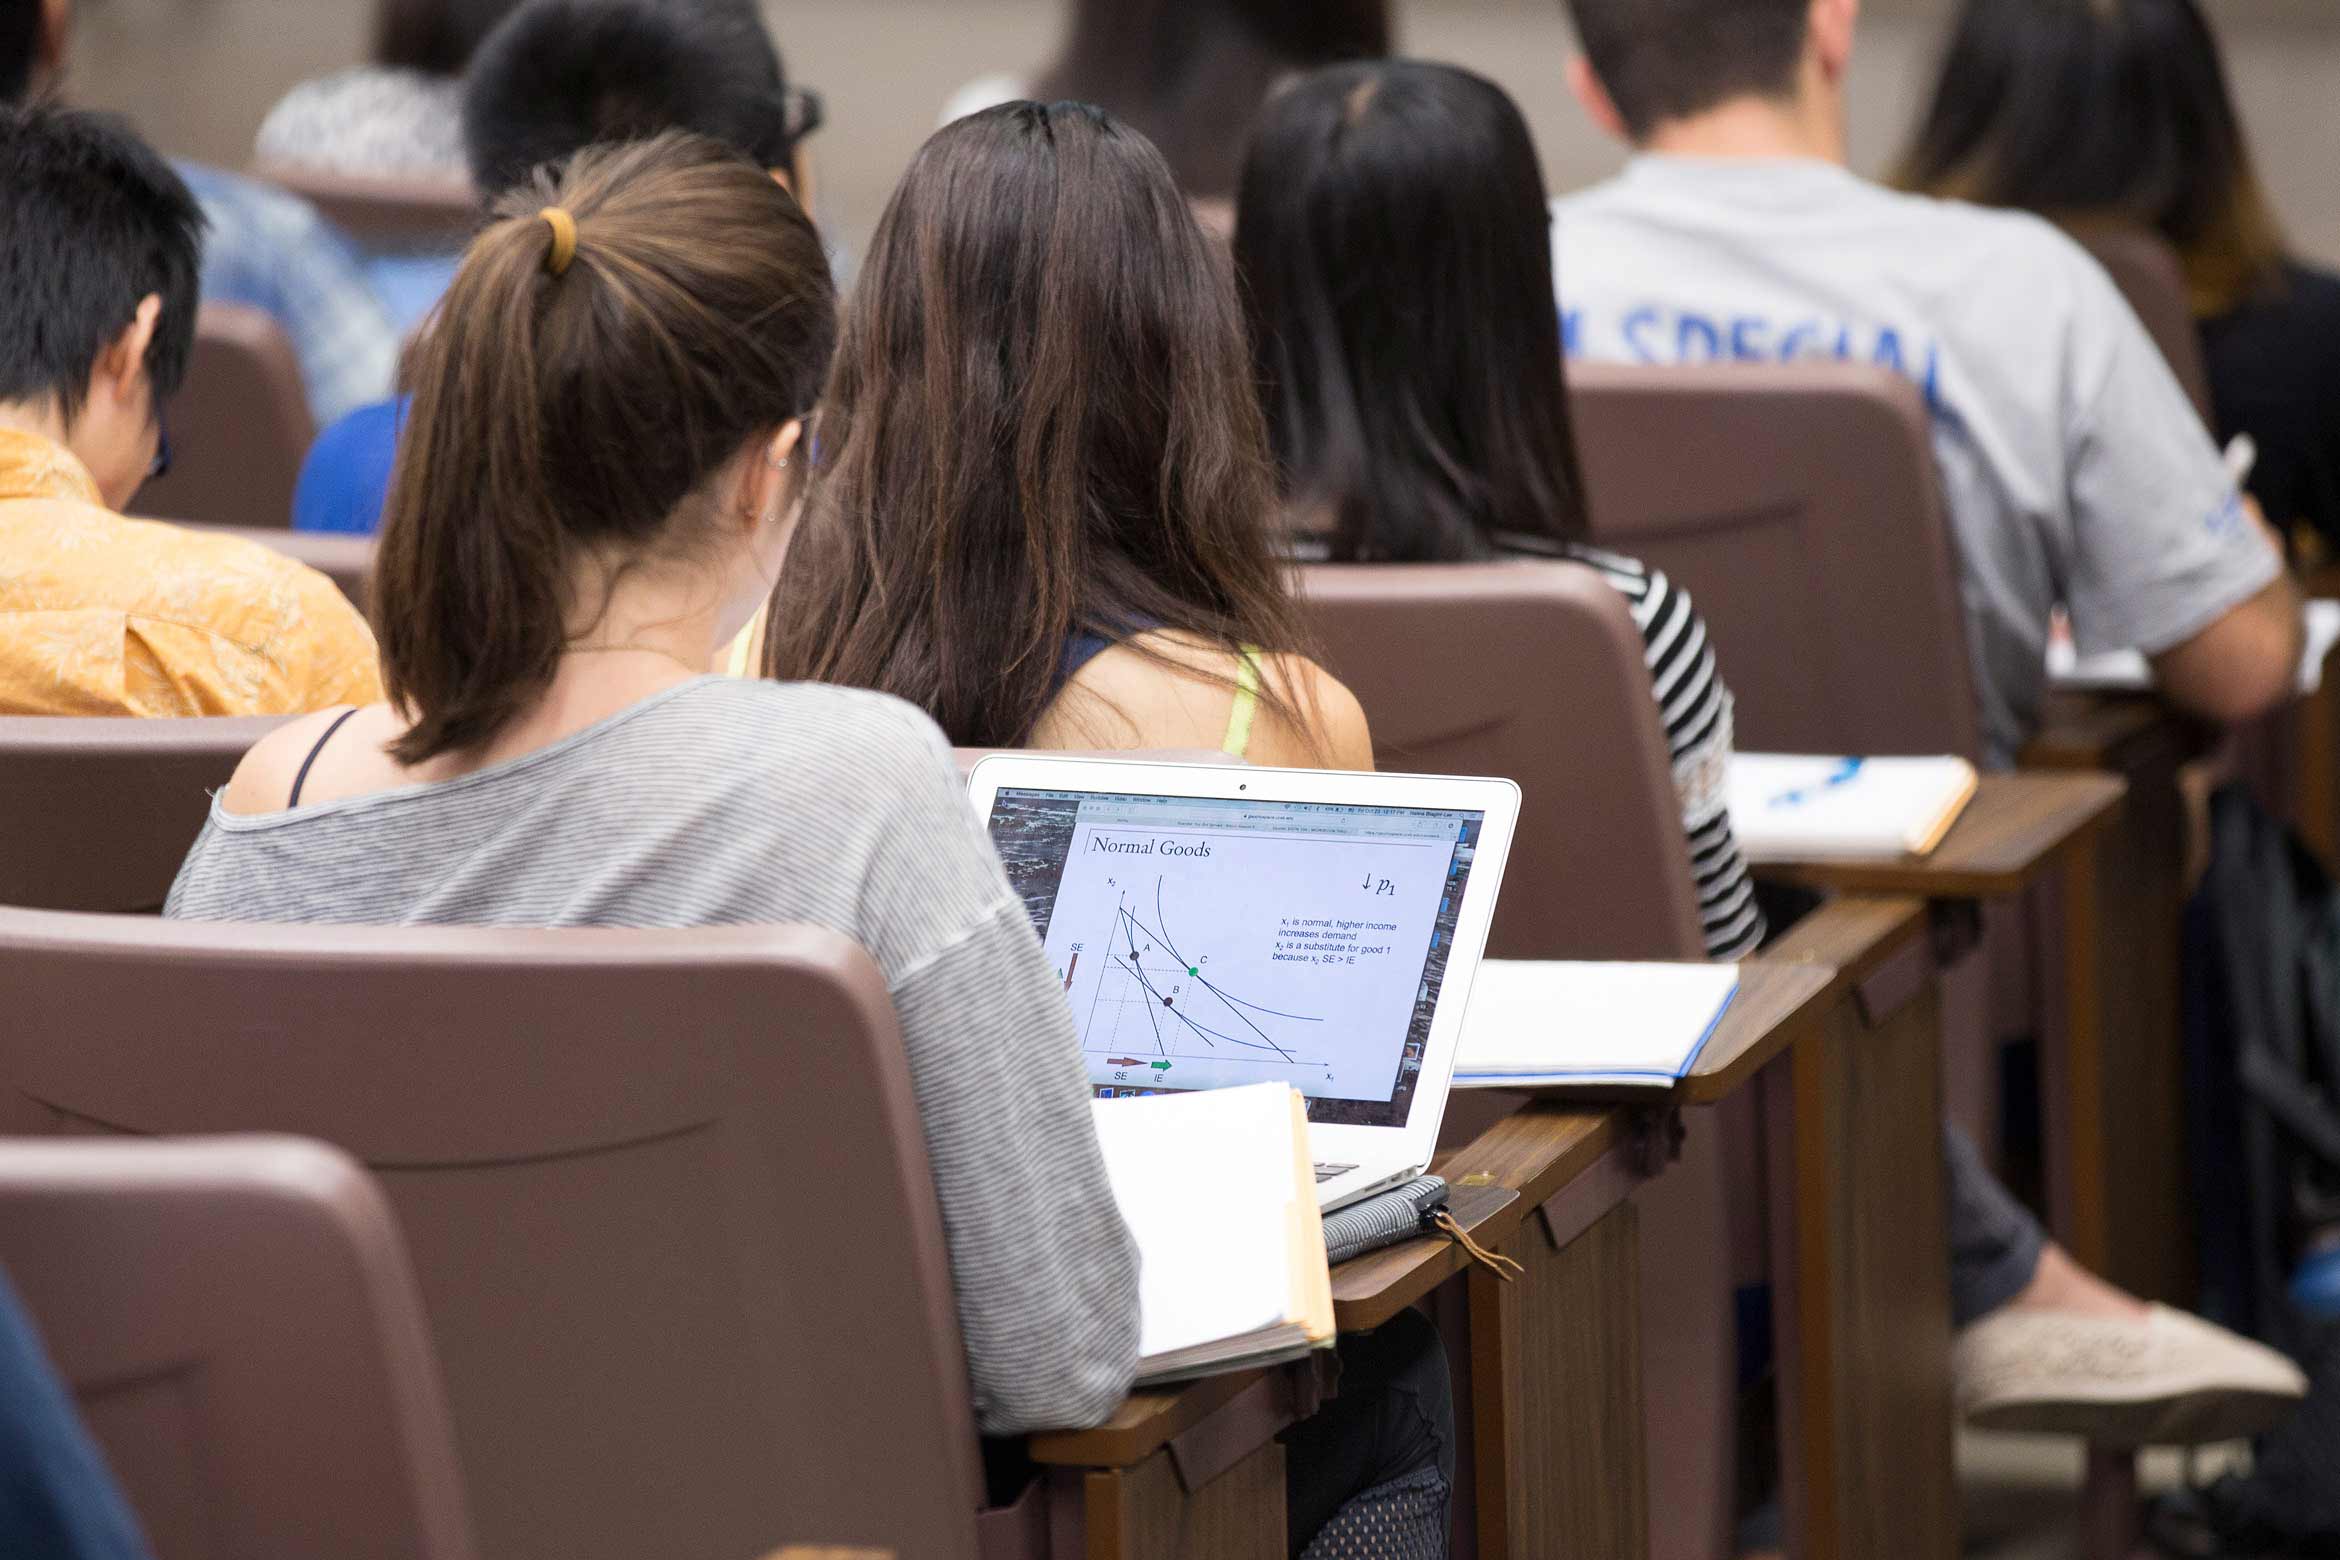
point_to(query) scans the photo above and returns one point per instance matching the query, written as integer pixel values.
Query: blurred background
(198, 75)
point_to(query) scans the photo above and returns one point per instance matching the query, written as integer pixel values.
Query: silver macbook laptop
(1218, 925)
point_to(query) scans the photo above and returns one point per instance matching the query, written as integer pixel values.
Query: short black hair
(1669, 59)
(562, 75)
(91, 222)
(20, 45)
(437, 37)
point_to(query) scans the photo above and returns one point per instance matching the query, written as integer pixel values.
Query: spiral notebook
(1219, 1192)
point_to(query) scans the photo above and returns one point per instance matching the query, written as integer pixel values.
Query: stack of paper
(1806, 809)
(2125, 671)
(1219, 1191)
(1550, 1025)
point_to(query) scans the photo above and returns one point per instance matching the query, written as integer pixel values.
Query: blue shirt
(345, 482)
(57, 1497)
(271, 249)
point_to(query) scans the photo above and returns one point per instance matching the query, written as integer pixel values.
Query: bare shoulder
(263, 782)
(1336, 720)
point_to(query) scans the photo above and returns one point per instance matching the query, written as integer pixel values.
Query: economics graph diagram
(1202, 958)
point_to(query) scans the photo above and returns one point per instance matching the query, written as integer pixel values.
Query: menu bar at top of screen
(1327, 817)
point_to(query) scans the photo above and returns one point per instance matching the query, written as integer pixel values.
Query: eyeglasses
(161, 466)
(801, 113)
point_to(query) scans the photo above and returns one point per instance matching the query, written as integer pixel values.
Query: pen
(1843, 774)
(2242, 458)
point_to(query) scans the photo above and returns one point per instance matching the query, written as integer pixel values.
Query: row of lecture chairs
(1599, 836)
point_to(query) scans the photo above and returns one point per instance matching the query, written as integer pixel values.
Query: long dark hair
(1188, 73)
(1041, 425)
(2083, 111)
(560, 409)
(1395, 251)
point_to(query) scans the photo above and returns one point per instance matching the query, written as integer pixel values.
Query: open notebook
(2126, 671)
(1803, 809)
(1536, 1025)
(1219, 1192)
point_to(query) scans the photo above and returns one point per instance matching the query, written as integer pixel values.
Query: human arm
(2244, 663)
(1044, 1269)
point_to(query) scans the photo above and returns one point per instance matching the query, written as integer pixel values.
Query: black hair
(95, 221)
(1670, 59)
(1394, 244)
(561, 75)
(435, 36)
(20, 47)
(2082, 111)
(1187, 73)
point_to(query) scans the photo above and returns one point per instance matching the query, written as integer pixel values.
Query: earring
(777, 465)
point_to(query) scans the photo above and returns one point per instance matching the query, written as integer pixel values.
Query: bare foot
(2062, 1285)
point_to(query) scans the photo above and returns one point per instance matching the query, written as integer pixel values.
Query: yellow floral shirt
(103, 615)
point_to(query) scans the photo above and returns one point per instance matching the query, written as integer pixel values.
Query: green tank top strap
(1246, 703)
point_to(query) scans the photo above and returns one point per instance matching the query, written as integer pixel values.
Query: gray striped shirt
(723, 802)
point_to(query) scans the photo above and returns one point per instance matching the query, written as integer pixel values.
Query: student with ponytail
(603, 465)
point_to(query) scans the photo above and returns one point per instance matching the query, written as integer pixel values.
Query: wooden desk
(2107, 945)
(2099, 840)
(1369, 1290)
(1185, 1473)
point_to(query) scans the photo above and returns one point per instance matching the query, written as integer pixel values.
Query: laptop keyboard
(1325, 1173)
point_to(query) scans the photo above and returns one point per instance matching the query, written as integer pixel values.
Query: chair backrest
(239, 1325)
(2149, 274)
(410, 214)
(1534, 671)
(240, 426)
(1800, 506)
(348, 561)
(666, 1194)
(99, 814)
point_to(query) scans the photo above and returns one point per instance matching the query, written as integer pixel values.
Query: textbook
(1219, 1192)
(2126, 671)
(1810, 809)
(1540, 1025)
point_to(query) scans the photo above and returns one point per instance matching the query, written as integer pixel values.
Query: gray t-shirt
(2075, 469)
(723, 802)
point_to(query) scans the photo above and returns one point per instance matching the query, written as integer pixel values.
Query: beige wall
(198, 74)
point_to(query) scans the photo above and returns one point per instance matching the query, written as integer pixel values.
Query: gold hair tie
(564, 244)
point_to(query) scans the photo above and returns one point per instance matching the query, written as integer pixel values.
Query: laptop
(1217, 925)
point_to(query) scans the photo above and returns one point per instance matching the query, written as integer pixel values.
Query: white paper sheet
(1799, 809)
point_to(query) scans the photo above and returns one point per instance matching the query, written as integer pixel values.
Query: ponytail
(607, 346)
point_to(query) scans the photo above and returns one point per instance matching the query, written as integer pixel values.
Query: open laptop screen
(1206, 942)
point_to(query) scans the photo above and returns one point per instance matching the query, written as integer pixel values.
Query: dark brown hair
(1188, 74)
(1372, 191)
(554, 413)
(2083, 112)
(1041, 425)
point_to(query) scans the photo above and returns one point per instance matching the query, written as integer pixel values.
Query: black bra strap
(302, 778)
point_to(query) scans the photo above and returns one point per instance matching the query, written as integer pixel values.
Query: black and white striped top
(723, 802)
(1696, 707)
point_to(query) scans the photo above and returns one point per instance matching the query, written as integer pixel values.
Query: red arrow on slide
(1121, 1061)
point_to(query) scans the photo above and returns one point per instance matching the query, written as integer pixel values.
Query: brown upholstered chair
(666, 1194)
(348, 561)
(240, 426)
(410, 214)
(1535, 671)
(1800, 507)
(98, 814)
(2147, 271)
(238, 1322)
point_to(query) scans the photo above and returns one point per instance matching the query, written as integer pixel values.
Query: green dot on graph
(1194, 972)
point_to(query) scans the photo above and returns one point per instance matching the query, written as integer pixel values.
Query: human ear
(1585, 86)
(120, 371)
(765, 481)
(1833, 24)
